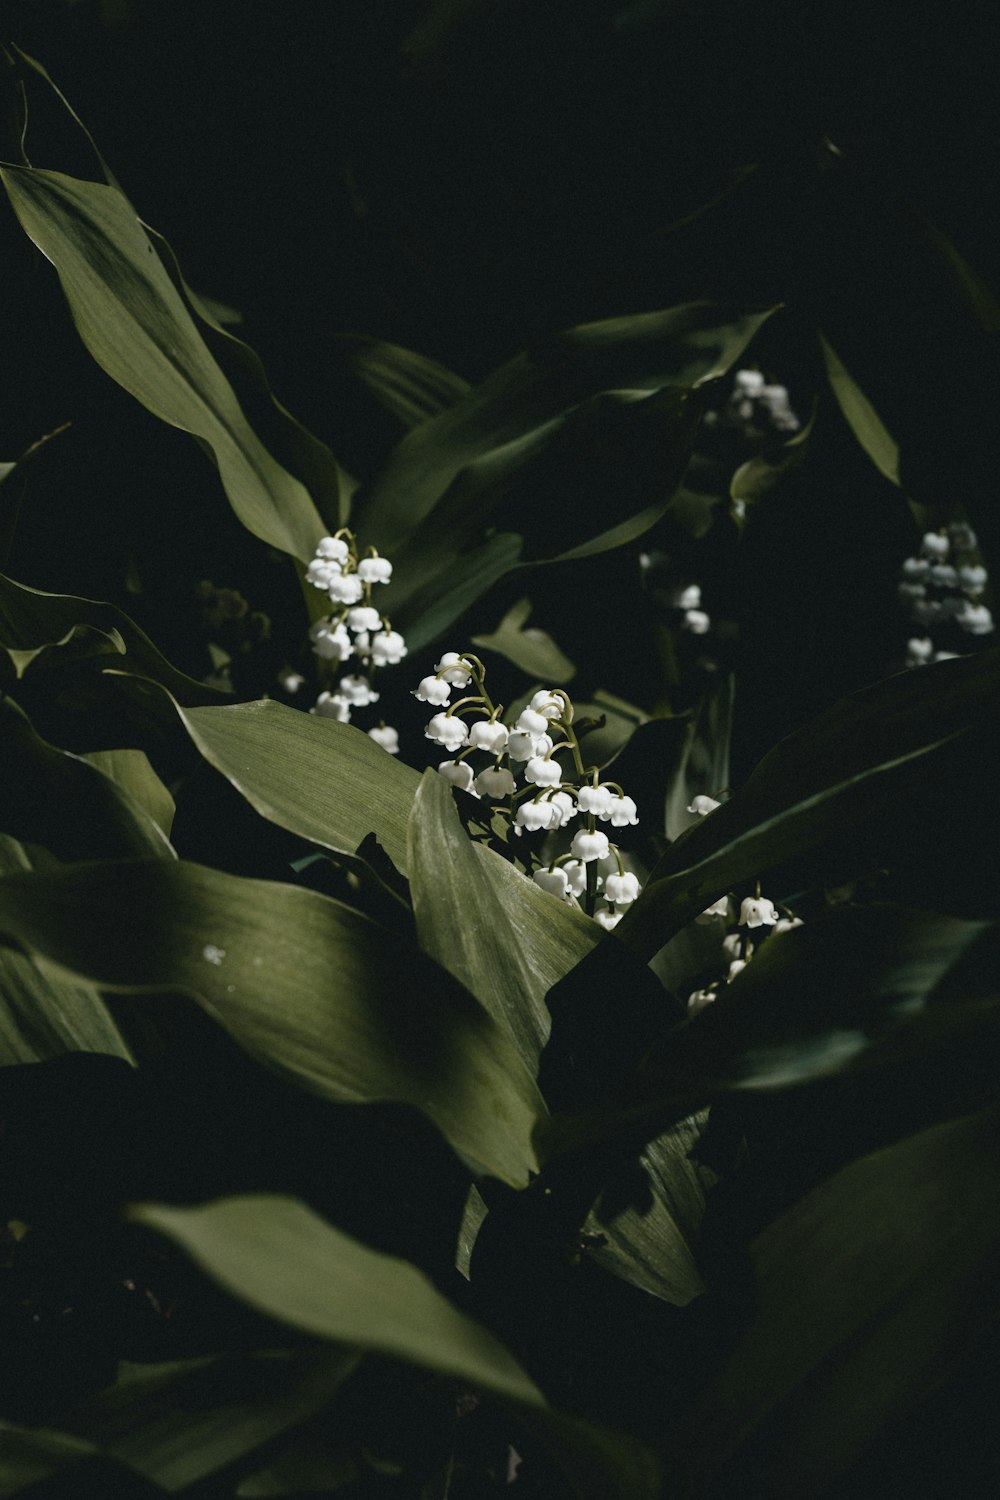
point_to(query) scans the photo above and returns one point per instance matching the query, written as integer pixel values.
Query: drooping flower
(976, 619)
(320, 572)
(432, 690)
(588, 846)
(357, 691)
(445, 729)
(345, 588)
(531, 722)
(595, 799)
(552, 879)
(543, 772)
(757, 911)
(622, 812)
(546, 703)
(331, 642)
(607, 918)
(489, 735)
(532, 816)
(495, 782)
(935, 546)
(916, 569)
(622, 889)
(697, 622)
(736, 967)
(972, 577)
(332, 706)
(732, 946)
(562, 808)
(388, 648)
(576, 876)
(698, 999)
(703, 805)
(333, 549)
(785, 924)
(375, 570)
(458, 772)
(386, 736)
(718, 908)
(522, 744)
(919, 650)
(687, 598)
(363, 617)
(453, 670)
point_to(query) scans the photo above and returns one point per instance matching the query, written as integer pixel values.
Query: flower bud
(736, 967)
(387, 737)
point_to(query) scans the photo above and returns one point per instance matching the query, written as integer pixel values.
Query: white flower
(622, 812)
(946, 656)
(387, 737)
(935, 546)
(595, 799)
(432, 690)
(452, 670)
(576, 876)
(562, 809)
(543, 772)
(531, 722)
(687, 598)
(757, 911)
(973, 578)
(357, 691)
(290, 680)
(332, 706)
(522, 745)
(331, 642)
(607, 918)
(363, 617)
(588, 846)
(698, 999)
(944, 575)
(495, 782)
(333, 549)
(916, 569)
(488, 735)
(919, 650)
(736, 967)
(388, 648)
(622, 889)
(703, 805)
(976, 619)
(374, 570)
(732, 946)
(718, 908)
(532, 816)
(963, 538)
(345, 588)
(787, 923)
(554, 880)
(319, 573)
(547, 704)
(445, 729)
(911, 590)
(697, 622)
(748, 382)
(458, 772)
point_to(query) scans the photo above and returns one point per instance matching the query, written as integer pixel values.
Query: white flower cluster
(355, 628)
(758, 409)
(738, 947)
(943, 588)
(541, 793)
(695, 619)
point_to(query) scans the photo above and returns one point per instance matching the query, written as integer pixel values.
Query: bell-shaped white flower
(595, 799)
(345, 588)
(375, 570)
(546, 703)
(290, 680)
(935, 546)
(576, 876)
(532, 722)
(331, 642)
(976, 619)
(453, 670)
(703, 805)
(911, 591)
(357, 691)
(319, 573)
(333, 549)
(489, 735)
(748, 383)
(522, 745)
(543, 772)
(432, 690)
(622, 889)
(919, 650)
(562, 808)
(332, 706)
(736, 967)
(458, 772)
(607, 918)
(963, 538)
(785, 924)
(946, 656)
(757, 911)
(916, 569)
(732, 946)
(554, 880)
(687, 598)
(532, 816)
(944, 575)
(495, 782)
(445, 729)
(622, 812)
(972, 577)
(588, 846)
(388, 648)
(718, 908)
(385, 736)
(698, 999)
(697, 622)
(363, 617)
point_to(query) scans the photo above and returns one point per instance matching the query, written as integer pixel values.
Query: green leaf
(533, 650)
(284, 1260)
(502, 936)
(132, 773)
(325, 781)
(840, 773)
(703, 764)
(134, 322)
(864, 420)
(868, 1296)
(308, 986)
(50, 797)
(682, 346)
(409, 385)
(759, 475)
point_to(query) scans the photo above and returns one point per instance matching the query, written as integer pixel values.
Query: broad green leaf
(134, 322)
(325, 781)
(864, 420)
(842, 771)
(132, 773)
(502, 936)
(533, 650)
(284, 1260)
(759, 475)
(43, 1012)
(50, 797)
(177, 1424)
(409, 385)
(703, 765)
(682, 346)
(868, 1296)
(308, 986)
(31, 1456)
(35, 625)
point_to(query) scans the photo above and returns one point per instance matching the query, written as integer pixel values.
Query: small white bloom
(452, 670)
(718, 908)
(333, 549)
(622, 889)
(732, 946)
(290, 680)
(946, 656)
(622, 812)
(687, 598)
(458, 772)
(363, 617)
(916, 569)
(532, 816)
(911, 590)
(445, 729)
(595, 799)
(331, 642)
(787, 923)
(736, 967)
(488, 735)
(554, 880)
(387, 737)
(547, 704)
(748, 382)
(332, 706)
(495, 782)
(375, 570)
(588, 846)
(698, 999)
(357, 691)
(972, 578)
(531, 722)
(563, 808)
(319, 573)
(522, 745)
(976, 619)
(757, 911)
(543, 772)
(432, 690)
(703, 805)
(345, 588)
(607, 918)
(697, 622)
(963, 538)
(919, 650)
(388, 648)
(935, 546)
(576, 876)
(944, 575)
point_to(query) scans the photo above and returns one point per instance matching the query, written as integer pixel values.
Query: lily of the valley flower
(357, 691)
(561, 808)
(697, 622)
(736, 967)
(596, 800)
(386, 736)
(364, 617)
(453, 670)
(388, 647)
(532, 816)
(458, 772)
(785, 924)
(375, 570)
(546, 703)
(588, 846)
(331, 642)
(622, 889)
(432, 690)
(935, 546)
(718, 908)
(489, 735)
(495, 782)
(553, 879)
(698, 999)
(607, 918)
(622, 812)
(332, 706)
(757, 911)
(522, 744)
(345, 588)
(543, 772)
(446, 730)
(703, 805)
